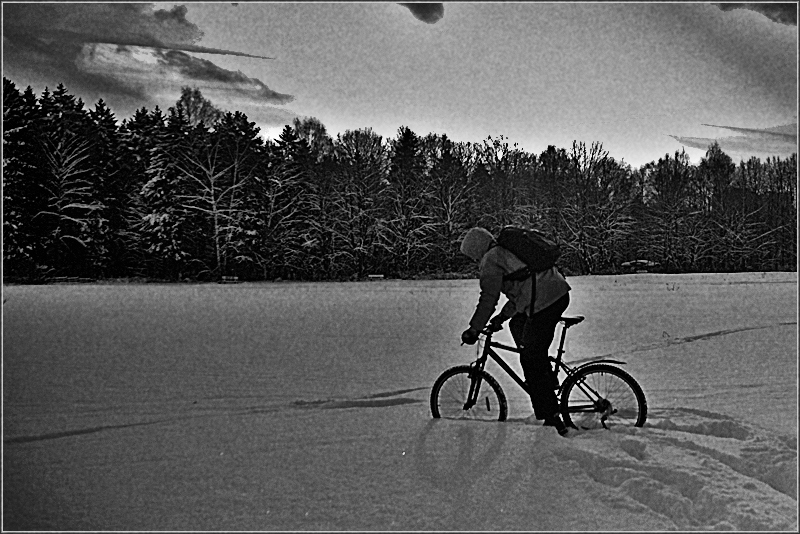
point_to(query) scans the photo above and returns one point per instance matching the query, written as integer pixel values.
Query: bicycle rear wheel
(450, 395)
(601, 396)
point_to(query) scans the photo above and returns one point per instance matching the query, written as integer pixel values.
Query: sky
(644, 79)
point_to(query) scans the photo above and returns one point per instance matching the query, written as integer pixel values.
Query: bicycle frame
(488, 351)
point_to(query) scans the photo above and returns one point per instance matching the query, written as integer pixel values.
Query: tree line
(195, 193)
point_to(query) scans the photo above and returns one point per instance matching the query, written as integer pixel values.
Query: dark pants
(534, 336)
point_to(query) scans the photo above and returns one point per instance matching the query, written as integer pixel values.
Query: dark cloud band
(120, 50)
(788, 132)
(783, 13)
(429, 13)
(123, 24)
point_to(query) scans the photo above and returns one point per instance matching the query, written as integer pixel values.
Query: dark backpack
(532, 247)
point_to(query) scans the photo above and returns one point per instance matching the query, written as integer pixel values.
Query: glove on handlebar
(496, 323)
(469, 336)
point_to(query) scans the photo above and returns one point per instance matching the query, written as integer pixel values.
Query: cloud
(775, 141)
(173, 69)
(787, 132)
(429, 13)
(124, 50)
(131, 24)
(783, 13)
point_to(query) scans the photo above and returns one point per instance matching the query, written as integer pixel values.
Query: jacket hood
(476, 243)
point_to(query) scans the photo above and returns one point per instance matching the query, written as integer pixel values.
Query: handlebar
(488, 330)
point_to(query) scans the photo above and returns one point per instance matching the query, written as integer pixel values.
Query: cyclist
(532, 327)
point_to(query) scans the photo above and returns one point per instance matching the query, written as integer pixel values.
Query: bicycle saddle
(572, 321)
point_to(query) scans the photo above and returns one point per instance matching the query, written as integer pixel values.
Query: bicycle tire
(611, 383)
(450, 391)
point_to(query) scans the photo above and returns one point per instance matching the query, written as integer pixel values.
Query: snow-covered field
(305, 406)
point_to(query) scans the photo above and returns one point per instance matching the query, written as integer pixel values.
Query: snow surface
(300, 406)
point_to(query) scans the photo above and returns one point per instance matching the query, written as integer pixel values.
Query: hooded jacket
(496, 262)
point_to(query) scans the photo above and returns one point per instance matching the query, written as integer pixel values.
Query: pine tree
(450, 199)
(288, 191)
(407, 236)
(110, 243)
(22, 184)
(138, 137)
(165, 229)
(72, 221)
(716, 171)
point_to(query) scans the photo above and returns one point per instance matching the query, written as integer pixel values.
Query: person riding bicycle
(532, 328)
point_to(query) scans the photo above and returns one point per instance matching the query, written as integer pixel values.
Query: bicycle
(595, 394)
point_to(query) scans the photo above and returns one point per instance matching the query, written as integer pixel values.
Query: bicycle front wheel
(450, 396)
(601, 396)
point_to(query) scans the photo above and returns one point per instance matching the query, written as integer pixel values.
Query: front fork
(475, 382)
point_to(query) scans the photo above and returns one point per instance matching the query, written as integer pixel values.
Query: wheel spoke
(586, 398)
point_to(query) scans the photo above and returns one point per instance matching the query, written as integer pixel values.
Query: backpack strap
(522, 274)
(518, 275)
